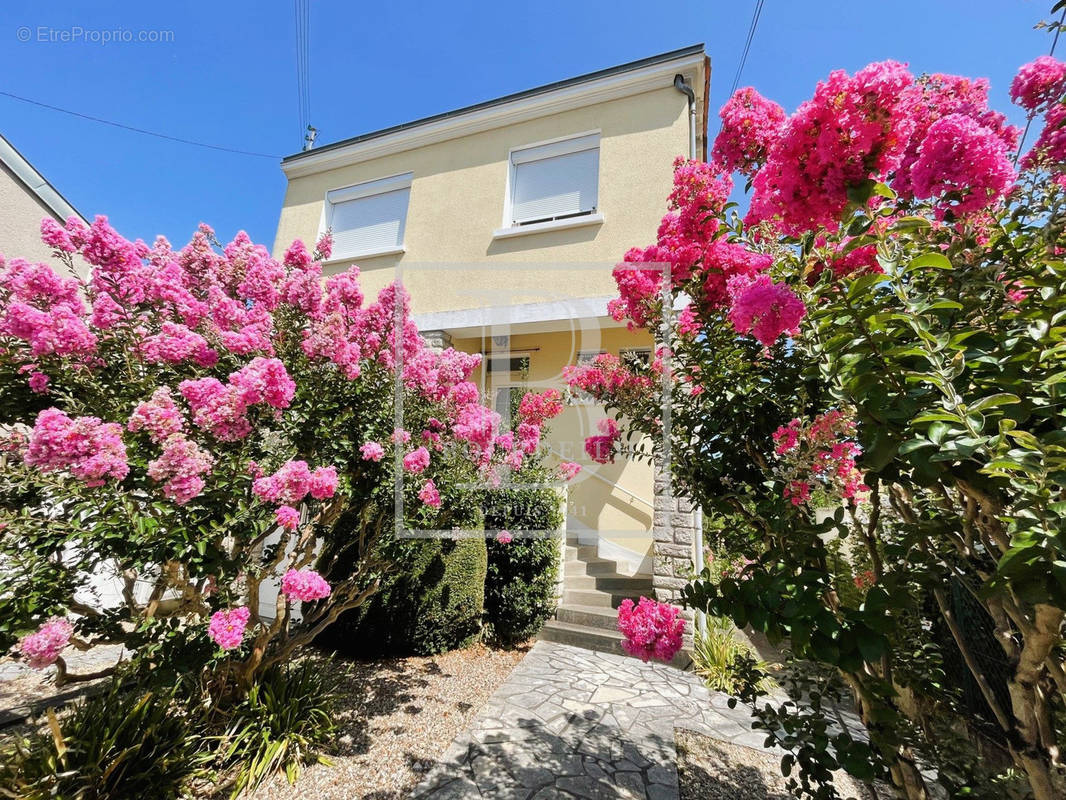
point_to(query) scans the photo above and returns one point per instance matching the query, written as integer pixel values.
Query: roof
(36, 182)
(650, 61)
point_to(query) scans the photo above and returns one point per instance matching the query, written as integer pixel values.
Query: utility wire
(137, 130)
(747, 44)
(1051, 52)
(302, 13)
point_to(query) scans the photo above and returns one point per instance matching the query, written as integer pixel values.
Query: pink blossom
(537, 409)
(217, 408)
(324, 246)
(429, 495)
(305, 584)
(750, 124)
(181, 465)
(264, 380)
(416, 461)
(90, 449)
(38, 382)
(651, 629)
(504, 537)
(400, 436)
(323, 482)
(372, 451)
(287, 517)
(963, 164)
(176, 343)
(601, 448)
(226, 628)
(849, 130)
(477, 425)
(764, 308)
(159, 417)
(569, 470)
(1039, 83)
(528, 437)
(42, 647)
(289, 485)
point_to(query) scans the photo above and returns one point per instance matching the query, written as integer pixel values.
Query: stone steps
(593, 588)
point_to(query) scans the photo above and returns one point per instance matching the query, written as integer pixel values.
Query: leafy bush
(433, 604)
(520, 585)
(716, 657)
(282, 724)
(120, 744)
(874, 354)
(198, 420)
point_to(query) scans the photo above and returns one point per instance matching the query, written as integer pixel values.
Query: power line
(136, 130)
(1051, 52)
(302, 14)
(747, 44)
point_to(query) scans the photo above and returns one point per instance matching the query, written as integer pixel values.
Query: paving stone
(570, 723)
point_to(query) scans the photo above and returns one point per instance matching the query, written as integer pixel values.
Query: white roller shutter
(369, 218)
(555, 180)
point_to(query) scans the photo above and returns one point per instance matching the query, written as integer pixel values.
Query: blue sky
(228, 77)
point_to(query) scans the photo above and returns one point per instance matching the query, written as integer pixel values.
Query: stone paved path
(571, 723)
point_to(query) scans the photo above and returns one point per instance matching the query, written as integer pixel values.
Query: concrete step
(603, 641)
(608, 582)
(598, 566)
(588, 616)
(601, 598)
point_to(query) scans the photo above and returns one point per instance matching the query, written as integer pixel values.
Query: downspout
(685, 88)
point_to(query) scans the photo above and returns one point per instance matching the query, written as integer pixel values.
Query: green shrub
(284, 720)
(432, 604)
(716, 657)
(120, 744)
(520, 585)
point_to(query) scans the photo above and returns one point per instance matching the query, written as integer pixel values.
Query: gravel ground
(396, 718)
(710, 769)
(21, 686)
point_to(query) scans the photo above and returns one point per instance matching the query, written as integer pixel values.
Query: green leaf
(929, 261)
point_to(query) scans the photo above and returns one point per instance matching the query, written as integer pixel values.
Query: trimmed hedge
(520, 586)
(433, 603)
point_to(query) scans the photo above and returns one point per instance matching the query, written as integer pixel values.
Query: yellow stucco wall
(457, 201)
(20, 222)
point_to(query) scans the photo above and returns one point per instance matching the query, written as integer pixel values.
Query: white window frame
(563, 145)
(390, 183)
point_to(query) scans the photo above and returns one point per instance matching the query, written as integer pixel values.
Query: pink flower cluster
(1039, 84)
(821, 454)
(606, 376)
(159, 417)
(651, 629)
(91, 450)
(881, 124)
(601, 448)
(222, 408)
(293, 481)
(305, 585)
(764, 308)
(429, 494)
(416, 461)
(181, 467)
(42, 647)
(569, 470)
(372, 451)
(43, 310)
(750, 123)
(539, 408)
(226, 628)
(477, 426)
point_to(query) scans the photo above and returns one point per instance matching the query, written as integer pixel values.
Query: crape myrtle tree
(866, 377)
(200, 422)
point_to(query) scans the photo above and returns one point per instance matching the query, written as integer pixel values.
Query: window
(635, 356)
(368, 218)
(505, 363)
(555, 181)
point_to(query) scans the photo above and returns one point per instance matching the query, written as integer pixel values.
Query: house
(26, 198)
(504, 220)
